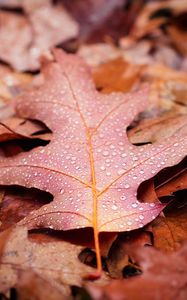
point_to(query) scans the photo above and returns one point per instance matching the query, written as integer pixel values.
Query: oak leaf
(89, 166)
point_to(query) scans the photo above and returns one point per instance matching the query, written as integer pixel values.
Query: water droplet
(102, 168)
(114, 207)
(105, 153)
(127, 186)
(108, 173)
(141, 217)
(123, 197)
(134, 205)
(120, 172)
(135, 158)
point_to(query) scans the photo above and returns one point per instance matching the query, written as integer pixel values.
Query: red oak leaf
(89, 166)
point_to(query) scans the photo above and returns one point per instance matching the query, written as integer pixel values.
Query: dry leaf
(120, 251)
(156, 129)
(116, 76)
(164, 277)
(53, 261)
(170, 230)
(38, 31)
(33, 286)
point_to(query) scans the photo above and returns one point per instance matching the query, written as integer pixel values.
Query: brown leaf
(164, 277)
(156, 129)
(54, 261)
(97, 54)
(16, 203)
(32, 34)
(122, 249)
(179, 38)
(170, 230)
(30, 285)
(95, 17)
(176, 182)
(116, 76)
(17, 128)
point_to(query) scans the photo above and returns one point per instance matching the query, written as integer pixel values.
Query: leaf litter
(153, 52)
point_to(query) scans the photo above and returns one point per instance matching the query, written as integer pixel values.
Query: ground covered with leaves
(93, 127)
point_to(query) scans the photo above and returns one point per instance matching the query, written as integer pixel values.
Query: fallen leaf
(16, 203)
(37, 31)
(170, 230)
(97, 54)
(156, 129)
(53, 261)
(120, 256)
(18, 135)
(14, 127)
(116, 76)
(164, 277)
(166, 86)
(92, 16)
(89, 166)
(174, 183)
(156, 13)
(30, 285)
(179, 38)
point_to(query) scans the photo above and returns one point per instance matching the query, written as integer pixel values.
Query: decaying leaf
(53, 261)
(164, 277)
(97, 54)
(156, 129)
(170, 229)
(120, 256)
(89, 166)
(33, 286)
(116, 76)
(16, 203)
(40, 29)
(175, 181)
